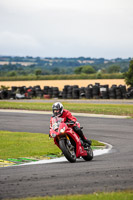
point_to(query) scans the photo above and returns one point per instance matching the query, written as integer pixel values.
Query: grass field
(126, 195)
(108, 109)
(60, 83)
(23, 144)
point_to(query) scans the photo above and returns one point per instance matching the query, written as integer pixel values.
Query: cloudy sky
(66, 28)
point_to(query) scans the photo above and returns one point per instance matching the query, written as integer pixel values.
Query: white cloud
(17, 44)
(67, 27)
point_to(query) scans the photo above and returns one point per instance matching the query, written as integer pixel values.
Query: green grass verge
(108, 109)
(127, 195)
(23, 144)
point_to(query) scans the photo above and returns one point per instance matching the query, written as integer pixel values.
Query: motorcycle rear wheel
(89, 156)
(70, 155)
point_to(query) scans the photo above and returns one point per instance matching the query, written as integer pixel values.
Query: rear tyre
(67, 151)
(89, 156)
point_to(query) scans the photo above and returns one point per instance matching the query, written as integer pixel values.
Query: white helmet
(57, 109)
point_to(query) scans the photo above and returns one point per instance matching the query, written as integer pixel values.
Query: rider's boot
(85, 140)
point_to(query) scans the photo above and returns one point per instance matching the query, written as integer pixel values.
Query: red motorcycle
(68, 141)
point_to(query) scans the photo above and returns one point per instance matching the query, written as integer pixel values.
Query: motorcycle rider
(59, 111)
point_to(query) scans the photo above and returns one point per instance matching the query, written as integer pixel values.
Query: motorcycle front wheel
(89, 156)
(67, 151)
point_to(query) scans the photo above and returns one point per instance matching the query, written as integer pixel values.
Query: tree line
(19, 72)
(58, 66)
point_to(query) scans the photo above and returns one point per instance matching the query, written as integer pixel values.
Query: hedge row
(64, 77)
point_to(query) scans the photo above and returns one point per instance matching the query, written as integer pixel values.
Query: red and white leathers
(67, 116)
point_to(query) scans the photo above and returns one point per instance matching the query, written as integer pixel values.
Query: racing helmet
(57, 109)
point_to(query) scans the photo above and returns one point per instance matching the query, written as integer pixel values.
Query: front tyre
(89, 156)
(67, 151)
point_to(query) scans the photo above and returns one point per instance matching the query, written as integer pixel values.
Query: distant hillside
(12, 66)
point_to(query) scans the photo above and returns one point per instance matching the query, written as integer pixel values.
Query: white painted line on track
(76, 114)
(63, 159)
(26, 111)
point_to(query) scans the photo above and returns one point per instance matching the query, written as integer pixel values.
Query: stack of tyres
(75, 92)
(48, 92)
(64, 92)
(104, 92)
(123, 91)
(69, 92)
(10, 95)
(112, 92)
(55, 92)
(88, 92)
(96, 91)
(60, 95)
(129, 93)
(32, 92)
(118, 93)
(17, 92)
(29, 93)
(38, 91)
(14, 88)
(7, 94)
(13, 91)
(45, 90)
(37, 87)
(22, 89)
(4, 94)
(82, 92)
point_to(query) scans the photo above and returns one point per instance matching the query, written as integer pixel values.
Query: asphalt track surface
(108, 172)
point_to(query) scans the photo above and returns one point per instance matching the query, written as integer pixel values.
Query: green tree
(38, 72)
(55, 70)
(45, 72)
(129, 74)
(99, 75)
(124, 69)
(12, 73)
(88, 69)
(78, 70)
(103, 70)
(113, 69)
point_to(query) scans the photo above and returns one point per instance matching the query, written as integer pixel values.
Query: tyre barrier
(104, 92)
(96, 91)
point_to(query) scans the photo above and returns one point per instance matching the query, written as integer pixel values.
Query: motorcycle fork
(68, 140)
(63, 136)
